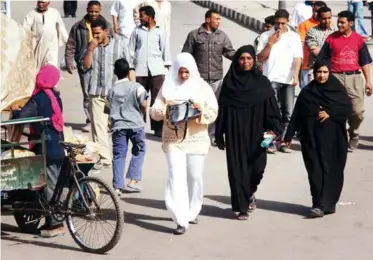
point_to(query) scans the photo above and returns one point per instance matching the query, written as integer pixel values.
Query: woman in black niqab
(247, 109)
(320, 116)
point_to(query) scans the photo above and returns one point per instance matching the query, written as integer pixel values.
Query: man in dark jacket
(208, 44)
(79, 38)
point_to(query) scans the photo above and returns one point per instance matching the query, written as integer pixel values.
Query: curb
(240, 18)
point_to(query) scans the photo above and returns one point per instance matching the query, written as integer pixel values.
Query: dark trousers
(285, 95)
(120, 148)
(53, 173)
(84, 87)
(70, 7)
(152, 84)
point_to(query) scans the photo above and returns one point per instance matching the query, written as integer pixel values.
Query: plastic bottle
(268, 138)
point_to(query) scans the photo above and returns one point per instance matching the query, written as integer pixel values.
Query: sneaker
(134, 187)
(53, 231)
(179, 230)
(119, 192)
(354, 143)
(86, 128)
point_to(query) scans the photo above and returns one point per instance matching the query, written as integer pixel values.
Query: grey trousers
(285, 95)
(216, 87)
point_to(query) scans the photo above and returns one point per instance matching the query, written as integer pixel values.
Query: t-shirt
(302, 30)
(279, 65)
(345, 53)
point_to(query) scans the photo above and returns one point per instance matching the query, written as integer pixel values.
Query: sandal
(252, 203)
(284, 149)
(271, 150)
(243, 216)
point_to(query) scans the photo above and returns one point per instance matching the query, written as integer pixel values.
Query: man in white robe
(48, 31)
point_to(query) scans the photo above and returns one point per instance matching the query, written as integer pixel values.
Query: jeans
(358, 10)
(184, 190)
(53, 172)
(305, 78)
(285, 99)
(120, 146)
(216, 87)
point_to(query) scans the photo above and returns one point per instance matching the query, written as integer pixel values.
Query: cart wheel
(23, 217)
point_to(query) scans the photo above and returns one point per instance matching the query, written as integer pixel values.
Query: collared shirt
(100, 76)
(149, 51)
(316, 37)
(123, 9)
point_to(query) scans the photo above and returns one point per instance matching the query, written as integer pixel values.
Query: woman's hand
(323, 116)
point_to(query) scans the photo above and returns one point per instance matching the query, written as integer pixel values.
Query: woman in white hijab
(185, 157)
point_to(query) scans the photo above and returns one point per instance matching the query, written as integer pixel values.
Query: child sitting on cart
(46, 102)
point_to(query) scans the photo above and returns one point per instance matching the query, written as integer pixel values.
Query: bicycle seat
(72, 145)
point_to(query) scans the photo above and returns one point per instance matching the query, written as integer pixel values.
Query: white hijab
(175, 90)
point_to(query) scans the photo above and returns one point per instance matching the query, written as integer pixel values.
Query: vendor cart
(77, 195)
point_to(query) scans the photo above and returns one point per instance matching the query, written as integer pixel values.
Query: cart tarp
(18, 64)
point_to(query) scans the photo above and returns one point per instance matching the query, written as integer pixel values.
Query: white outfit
(123, 9)
(49, 33)
(300, 13)
(279, 65)
(184, 190)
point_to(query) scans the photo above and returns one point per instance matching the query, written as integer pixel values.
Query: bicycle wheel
(92, 192)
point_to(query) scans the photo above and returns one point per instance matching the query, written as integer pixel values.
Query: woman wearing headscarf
(247, 109)
(46, 102)
(319, 117)
(185, 157)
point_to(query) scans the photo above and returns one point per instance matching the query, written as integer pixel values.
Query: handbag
(179, 113)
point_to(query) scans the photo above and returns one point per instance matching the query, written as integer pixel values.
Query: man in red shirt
(349, 56)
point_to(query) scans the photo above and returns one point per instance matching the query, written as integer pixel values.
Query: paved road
(276, 230)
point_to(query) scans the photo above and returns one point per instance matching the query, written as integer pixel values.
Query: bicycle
(76, 195)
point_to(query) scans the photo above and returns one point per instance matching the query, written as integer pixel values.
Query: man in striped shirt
(98, 65)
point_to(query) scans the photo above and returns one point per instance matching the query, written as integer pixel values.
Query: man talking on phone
(281, 52)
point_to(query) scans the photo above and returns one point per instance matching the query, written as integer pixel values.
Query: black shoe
(329, 211)
(179, 230)
(316, 213)
(194, 222)
(73, 16)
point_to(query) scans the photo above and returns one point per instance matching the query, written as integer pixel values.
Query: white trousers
(184, 190)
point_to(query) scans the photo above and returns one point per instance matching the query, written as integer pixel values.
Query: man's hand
(274, 37)
(92, 45)
(295, 81)
(368, 89)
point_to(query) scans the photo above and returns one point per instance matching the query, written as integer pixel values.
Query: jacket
(207, 50)
(40, 105)
(78, 41)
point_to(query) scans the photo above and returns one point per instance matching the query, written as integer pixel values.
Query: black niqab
(329, 96)
(241, 88)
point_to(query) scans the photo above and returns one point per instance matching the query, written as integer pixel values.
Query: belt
(349, 72)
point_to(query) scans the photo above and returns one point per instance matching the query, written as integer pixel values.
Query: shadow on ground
(140, 220)
(151, 137)
(36, 241)
(366, 138)
(276, 206)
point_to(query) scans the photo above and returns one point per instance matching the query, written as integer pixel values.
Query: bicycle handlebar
(72, 145)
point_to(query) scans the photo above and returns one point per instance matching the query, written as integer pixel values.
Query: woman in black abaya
(247, 109)
(320, 116)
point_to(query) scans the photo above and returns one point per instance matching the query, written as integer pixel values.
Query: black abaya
(243, 129)
(247, 109)
(324, 144)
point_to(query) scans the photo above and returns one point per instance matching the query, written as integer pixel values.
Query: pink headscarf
(46, 80)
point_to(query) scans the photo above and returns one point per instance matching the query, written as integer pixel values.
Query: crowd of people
(194, 106)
